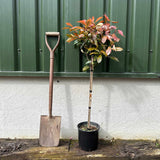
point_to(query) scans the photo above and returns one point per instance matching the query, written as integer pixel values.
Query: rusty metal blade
(49, 131)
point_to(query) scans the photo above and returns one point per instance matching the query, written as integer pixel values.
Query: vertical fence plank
(158, 39)
(107, 7)
(27, 34)
(154, 54)
(37, 35)
(61, 24)
(131, 34)
(96, 8)
(83, 15)
(72, 14)
(7, 48)
(128, 67)
(140, 35)
(107, 11)
(121, 18)
(48, 23)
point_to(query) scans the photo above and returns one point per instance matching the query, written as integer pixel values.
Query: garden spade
(50, 125)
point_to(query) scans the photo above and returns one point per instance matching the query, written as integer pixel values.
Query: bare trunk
(90, 93)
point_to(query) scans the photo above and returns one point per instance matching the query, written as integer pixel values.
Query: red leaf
(114, 21)
(77, 27)
(93, 19)
(82, 22)
(107, 32)
(101, 21)
(66, 28)
(105, 27)
(98, 19)
(109, 38)
(115, 38)
(106, 17)
(81, 36)
(104, 38)
(121, 33)
(89, 21)
(113, 27)
(68, 24)
(76, 34)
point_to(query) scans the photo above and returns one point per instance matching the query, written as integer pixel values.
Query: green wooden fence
(24, 23)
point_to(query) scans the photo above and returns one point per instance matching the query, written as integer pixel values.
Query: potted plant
(96, 40)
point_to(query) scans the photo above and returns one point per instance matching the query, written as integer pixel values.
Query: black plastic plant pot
(88, 139)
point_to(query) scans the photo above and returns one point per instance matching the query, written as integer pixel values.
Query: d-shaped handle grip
(52, 34)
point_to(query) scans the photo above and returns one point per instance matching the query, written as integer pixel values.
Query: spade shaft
(51, 67)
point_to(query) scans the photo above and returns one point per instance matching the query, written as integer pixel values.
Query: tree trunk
(90, 93)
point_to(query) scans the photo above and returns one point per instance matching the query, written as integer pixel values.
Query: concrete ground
(107, 150)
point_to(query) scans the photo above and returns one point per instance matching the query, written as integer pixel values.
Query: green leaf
(88, 62)
(114, 58)
(94, 53)
(96, 43)
(82, 51)
(76, 42)
(70, 40)
(95, 58)
(69, 35)
(119, 49)
(93, 49)
(85, 68)
(99, 59)
(103, 52)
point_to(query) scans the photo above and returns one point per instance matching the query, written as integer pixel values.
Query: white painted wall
(124, 108)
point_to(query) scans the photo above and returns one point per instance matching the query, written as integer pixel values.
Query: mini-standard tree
(96, 39)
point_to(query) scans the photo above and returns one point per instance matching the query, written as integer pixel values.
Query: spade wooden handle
(52, 33)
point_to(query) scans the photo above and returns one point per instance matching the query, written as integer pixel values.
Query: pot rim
(85, 122)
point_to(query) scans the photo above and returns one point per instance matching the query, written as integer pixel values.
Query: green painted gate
(24, 23)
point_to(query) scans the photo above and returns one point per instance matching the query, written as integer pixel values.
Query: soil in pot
(88, 138)
(84, 128)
